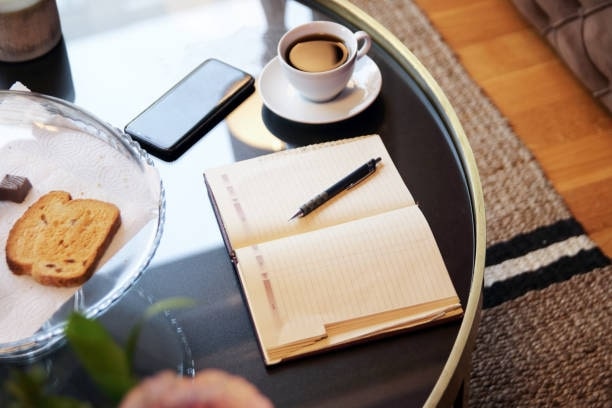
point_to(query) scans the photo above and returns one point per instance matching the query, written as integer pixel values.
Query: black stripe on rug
(561, 270)
(539, 238)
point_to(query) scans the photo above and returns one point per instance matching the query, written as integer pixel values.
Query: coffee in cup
(318, 58)
(317, 53)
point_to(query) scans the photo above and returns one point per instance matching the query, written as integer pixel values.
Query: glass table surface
(117, 57)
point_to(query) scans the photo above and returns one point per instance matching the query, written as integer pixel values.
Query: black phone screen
(181, 116)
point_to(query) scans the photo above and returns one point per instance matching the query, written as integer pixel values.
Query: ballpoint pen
(346, 183)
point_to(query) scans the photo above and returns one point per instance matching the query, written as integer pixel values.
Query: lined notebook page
(298, 284)
(256, 197)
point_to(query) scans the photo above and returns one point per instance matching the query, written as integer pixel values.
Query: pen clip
(371, 165)
(368, 174)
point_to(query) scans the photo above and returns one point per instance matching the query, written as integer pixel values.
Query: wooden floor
(568, 132)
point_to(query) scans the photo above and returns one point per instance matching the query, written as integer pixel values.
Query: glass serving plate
(58, 146)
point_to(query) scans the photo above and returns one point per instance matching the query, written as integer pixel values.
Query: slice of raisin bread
(59, 241)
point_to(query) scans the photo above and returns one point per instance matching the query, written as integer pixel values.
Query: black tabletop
(117, 57)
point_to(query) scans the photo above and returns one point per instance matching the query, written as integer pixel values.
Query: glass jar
(28, 29)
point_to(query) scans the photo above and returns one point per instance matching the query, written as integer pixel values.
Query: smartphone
(181, 116)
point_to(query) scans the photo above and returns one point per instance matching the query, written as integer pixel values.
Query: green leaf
(63, 402)
(153, 310)
(168, 304)
(104, 360)
(26, 389)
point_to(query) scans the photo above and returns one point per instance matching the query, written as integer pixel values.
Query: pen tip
(297, 214)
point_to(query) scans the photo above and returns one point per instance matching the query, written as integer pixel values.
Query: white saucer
(284, 100)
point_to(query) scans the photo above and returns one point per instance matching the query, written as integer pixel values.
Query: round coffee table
(117, 57)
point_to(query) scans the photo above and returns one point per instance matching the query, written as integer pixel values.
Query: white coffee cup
(324, 85)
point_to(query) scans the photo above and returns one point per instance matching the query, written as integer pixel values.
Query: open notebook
(362, 265)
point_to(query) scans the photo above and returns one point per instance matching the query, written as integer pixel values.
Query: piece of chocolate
(14, 188)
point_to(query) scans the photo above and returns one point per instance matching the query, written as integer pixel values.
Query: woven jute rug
(545, 337)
